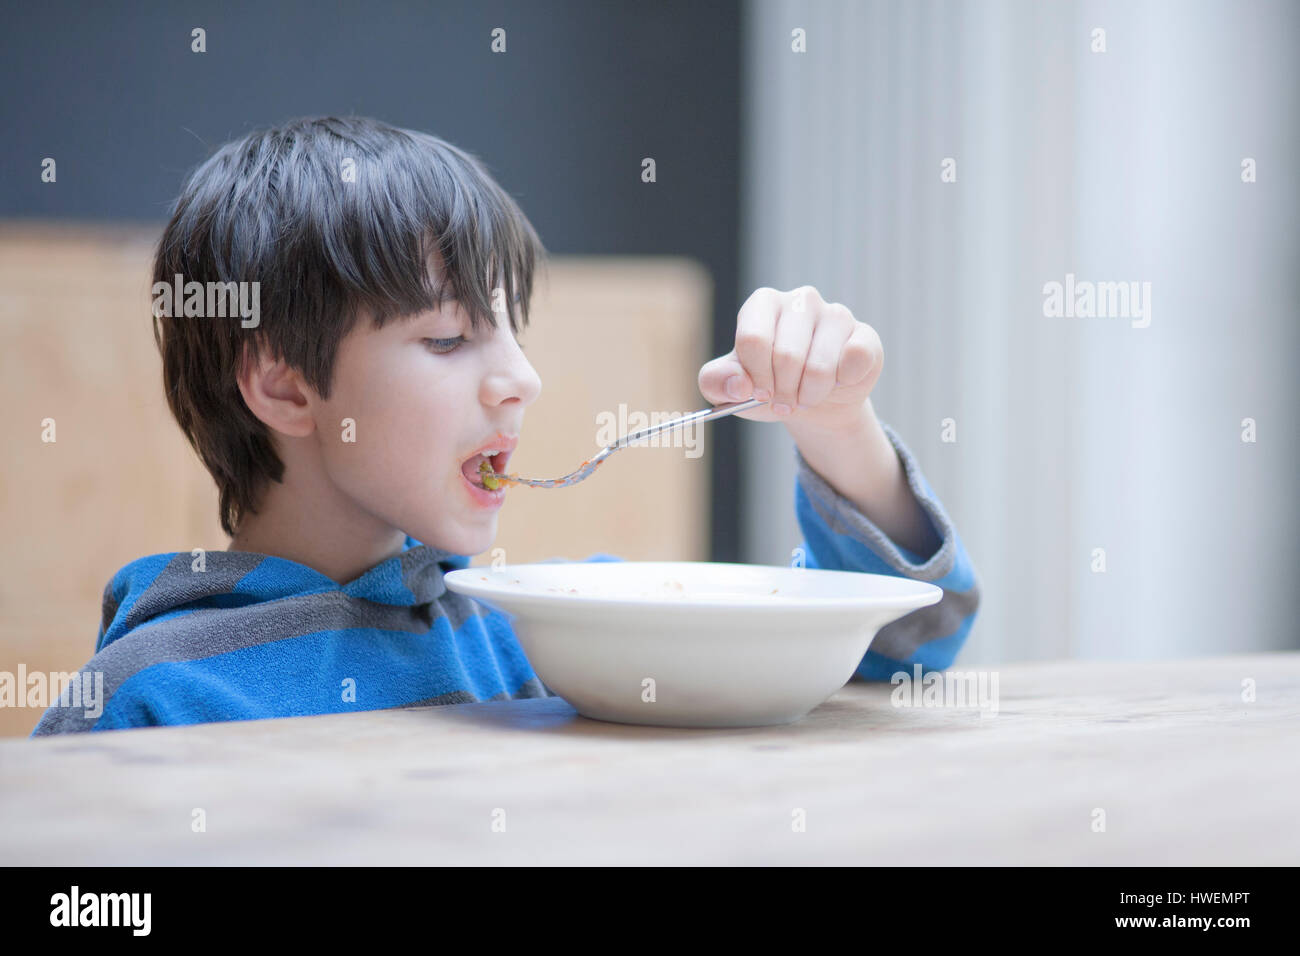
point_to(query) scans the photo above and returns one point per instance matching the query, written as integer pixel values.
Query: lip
(490, 500)
(500, 440)
(482, 496)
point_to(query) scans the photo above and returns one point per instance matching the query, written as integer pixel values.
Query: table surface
(1185, 770)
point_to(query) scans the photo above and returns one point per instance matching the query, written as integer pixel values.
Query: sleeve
(597, 558)
(839, 537)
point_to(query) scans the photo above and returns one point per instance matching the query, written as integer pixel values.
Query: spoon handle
(704, 415)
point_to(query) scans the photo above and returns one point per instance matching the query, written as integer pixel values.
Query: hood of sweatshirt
(159, 586)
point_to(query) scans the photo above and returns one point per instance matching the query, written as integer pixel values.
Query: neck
(306, 519)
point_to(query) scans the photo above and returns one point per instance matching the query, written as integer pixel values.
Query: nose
(512, 378)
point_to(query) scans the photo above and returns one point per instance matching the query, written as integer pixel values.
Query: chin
(461, 540)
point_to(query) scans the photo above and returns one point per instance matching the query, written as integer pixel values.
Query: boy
(380, 261)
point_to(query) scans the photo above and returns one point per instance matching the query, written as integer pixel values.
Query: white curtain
(1073, 434)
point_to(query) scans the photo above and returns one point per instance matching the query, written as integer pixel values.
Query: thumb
(724, 380)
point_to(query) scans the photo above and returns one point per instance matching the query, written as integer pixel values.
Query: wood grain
(1186, 771)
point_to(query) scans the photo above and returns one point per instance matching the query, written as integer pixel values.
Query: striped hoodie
(252, 636)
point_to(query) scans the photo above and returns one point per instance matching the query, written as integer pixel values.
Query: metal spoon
(591, 464)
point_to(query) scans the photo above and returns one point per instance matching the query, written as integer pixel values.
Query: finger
(794, 333)
(724, 380)
(819, 371)
(755, 327)
(860, 355)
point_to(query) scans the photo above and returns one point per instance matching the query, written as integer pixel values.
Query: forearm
(855, 457)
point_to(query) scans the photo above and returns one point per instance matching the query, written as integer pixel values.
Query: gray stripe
(61, 719)
(455, 697)
(900, 639)
(421, 574)
(533, 687)
(178, 584)
(529, 688)
(844, 517)
(108, 611)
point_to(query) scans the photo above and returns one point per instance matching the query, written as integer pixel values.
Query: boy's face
(422, 407)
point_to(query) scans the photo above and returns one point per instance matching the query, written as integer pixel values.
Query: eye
(443, 346)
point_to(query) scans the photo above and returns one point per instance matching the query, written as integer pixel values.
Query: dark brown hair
(276, 207)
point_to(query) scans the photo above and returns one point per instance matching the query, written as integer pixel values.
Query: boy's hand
(813, 359)
(821, 364)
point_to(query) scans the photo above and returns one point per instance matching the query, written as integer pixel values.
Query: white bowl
(692, 644)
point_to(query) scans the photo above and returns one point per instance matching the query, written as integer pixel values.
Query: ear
(276, 392)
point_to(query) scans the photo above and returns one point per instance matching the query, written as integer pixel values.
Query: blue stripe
(128, 584)
(276, 578)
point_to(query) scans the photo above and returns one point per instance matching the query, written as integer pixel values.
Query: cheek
(397, 444)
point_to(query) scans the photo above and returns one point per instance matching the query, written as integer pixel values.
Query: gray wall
(563, 118)
(1072, 433)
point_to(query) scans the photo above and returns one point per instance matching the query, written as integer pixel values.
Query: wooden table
(1185, 770)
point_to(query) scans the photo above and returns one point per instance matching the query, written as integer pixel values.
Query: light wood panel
(610, 332)
(120, 481)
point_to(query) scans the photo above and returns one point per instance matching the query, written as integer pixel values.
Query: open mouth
(482, 468)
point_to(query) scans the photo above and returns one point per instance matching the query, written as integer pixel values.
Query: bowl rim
(468, 581)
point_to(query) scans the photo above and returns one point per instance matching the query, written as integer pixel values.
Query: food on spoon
(490, 481)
